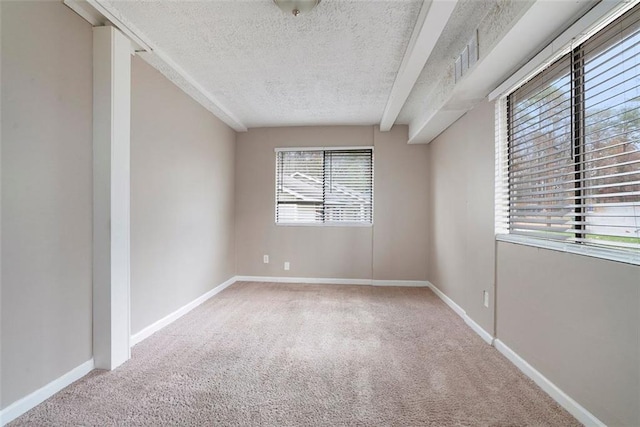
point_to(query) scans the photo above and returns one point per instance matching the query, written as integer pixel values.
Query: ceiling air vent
(468, 57)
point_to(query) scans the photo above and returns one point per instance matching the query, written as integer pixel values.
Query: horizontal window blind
(572, 163)
(324, 186)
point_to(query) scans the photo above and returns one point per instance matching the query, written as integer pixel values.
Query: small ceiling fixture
(296, 7)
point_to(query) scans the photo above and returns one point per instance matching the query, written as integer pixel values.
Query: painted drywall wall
(575, 319)
(46, 194)
(400, 197)
(182, 198)
(333, 252)
(461, 247)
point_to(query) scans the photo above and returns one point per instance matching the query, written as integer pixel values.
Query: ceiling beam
(540, 23)
(98, 12)
(432, 19)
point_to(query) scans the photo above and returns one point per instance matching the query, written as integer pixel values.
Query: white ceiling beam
(542, 21)
(96, 12)
(432, 19)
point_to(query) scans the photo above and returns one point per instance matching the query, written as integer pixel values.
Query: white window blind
(324, 186)
(571, 159)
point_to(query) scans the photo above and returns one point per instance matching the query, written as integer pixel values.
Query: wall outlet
(265, 259)
(485, 298)
(286, 265)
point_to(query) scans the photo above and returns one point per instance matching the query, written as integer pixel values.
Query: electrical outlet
(286, 265)
(265, 259)
(485, 296)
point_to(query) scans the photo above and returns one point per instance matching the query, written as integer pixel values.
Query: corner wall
(394, 248)
(461, 248)
(182, 198)
(46, 195)
(575, 319)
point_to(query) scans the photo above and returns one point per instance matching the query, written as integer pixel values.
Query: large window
(572, 160)
(322, 186)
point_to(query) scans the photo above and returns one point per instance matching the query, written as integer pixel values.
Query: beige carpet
(284, 355)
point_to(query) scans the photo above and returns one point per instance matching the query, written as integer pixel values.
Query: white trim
(32, 400)
(486, 336)
(324, 224)
(86, 11)
(333, 281)
(573, 407)
(406, 283)
(336, 148)
(612, 254)
(101, 9)
(170, 318)
(602, 14)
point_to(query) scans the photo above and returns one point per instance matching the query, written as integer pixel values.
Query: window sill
(626, 257)
(324, 224)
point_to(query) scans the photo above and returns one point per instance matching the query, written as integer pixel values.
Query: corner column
(111, 204)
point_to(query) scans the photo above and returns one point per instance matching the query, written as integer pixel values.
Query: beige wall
(461, 248)
(575, 319)
(182, 198)
(333, 252)
(401, 202)
(46, 194)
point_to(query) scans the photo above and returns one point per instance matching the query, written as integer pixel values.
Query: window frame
(329, 223)
(574, 50)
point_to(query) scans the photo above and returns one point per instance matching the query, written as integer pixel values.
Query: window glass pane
(612, 136)
(299, 186)
(348, 186)
(540, 156)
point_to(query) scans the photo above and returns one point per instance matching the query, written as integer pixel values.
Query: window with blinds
(572, 161)
(322, 186)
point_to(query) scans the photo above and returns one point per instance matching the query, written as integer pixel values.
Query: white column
(111, 187)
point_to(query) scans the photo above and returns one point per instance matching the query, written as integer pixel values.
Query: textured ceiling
(335, 65)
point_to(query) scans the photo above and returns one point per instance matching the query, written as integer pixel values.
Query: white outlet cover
(286, 265)
(486, 299)
(265, 259)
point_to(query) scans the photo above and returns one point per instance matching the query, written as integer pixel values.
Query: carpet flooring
(266, 354)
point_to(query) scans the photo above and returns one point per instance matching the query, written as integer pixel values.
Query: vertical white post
(111, 204)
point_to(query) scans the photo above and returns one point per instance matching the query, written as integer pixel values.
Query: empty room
(320, 213)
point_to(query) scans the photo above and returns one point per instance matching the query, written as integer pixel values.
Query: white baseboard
(407, 283)
(172, 317)
(21, 406)
(573, 407)
(328, 281)
(486, 336)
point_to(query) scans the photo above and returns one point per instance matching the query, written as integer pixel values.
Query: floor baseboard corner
(32, 400)
(333, 281)
(573, 407)
(309, 280)
(486, 336)
(172, 317)
(404, 283)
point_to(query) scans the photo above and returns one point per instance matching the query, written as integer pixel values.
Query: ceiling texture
(347, 62)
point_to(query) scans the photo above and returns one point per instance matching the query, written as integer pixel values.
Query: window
(318, 186)
(571, 161)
